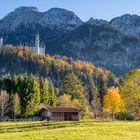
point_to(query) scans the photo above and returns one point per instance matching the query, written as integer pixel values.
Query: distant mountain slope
(102, 45)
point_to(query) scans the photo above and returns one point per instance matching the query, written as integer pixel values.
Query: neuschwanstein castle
(37, 47)
(1, 41)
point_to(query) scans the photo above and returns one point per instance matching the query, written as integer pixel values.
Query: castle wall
(41, 51)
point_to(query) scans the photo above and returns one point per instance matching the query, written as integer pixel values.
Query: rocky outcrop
(97, 21)
(127, 23)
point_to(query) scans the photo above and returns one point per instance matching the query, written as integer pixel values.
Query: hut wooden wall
(65, 116)
(57, 116)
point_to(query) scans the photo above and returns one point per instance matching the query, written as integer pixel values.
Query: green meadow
(83, 130)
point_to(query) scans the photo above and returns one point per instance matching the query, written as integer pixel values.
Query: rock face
(22, 15)
(61, 19)
(127, 23)
(114, 45)
(97, 21)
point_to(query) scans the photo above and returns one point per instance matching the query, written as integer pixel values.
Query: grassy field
(83, 130)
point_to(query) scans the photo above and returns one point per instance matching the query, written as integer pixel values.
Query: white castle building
(37, 47)
(1, 41)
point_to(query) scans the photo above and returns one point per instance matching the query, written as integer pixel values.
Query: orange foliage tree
(113, 102)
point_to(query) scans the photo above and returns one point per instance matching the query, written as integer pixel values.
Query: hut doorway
(67, 117)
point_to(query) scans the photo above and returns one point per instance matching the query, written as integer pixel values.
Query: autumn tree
(19, 52)
(65, 101)
(113, 102)
(130, 91)
(4, 106)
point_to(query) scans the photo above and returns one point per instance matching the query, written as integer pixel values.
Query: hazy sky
(105, 9)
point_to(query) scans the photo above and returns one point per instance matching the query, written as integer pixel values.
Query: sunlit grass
(83, 130)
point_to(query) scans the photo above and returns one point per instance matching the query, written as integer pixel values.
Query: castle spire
(37, 42)
(1, 41)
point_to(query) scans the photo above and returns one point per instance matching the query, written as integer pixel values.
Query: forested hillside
(58, 70)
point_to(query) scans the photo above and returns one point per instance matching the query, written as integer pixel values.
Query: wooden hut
(59, 114)
(65, 114)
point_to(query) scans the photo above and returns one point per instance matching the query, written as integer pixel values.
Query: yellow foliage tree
(77, 64)
(20, 51)
(65, 101)
(130, 92)
(113, 102)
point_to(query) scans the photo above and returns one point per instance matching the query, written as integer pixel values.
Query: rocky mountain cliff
(127, 23)
(114, 45)
(97, 21)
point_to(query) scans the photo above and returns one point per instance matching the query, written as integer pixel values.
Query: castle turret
(1, 41)
(36, 47)
(37, 43)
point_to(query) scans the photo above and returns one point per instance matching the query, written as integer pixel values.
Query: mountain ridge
(54, 17)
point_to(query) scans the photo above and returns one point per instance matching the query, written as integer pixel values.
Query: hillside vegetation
(61, 81)
(29, 75)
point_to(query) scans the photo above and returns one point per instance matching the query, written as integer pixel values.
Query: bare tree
(96, 107)
(16, 102)
(4, 98)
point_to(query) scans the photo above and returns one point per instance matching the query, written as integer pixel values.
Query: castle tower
(37, 43)
(1, 41)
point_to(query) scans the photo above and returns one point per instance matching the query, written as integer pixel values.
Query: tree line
(22, 94)
(95, 80)
(62, 81)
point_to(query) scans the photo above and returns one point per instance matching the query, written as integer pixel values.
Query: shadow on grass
(32, 126)
(36, 126)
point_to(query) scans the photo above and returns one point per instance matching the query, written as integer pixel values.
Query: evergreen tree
(102, 90)
(24, 96)
(52, 96)
(73, 86)
(44, 92)
(8, 84)
(30, 95)
(35, 101)
(102, 93)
